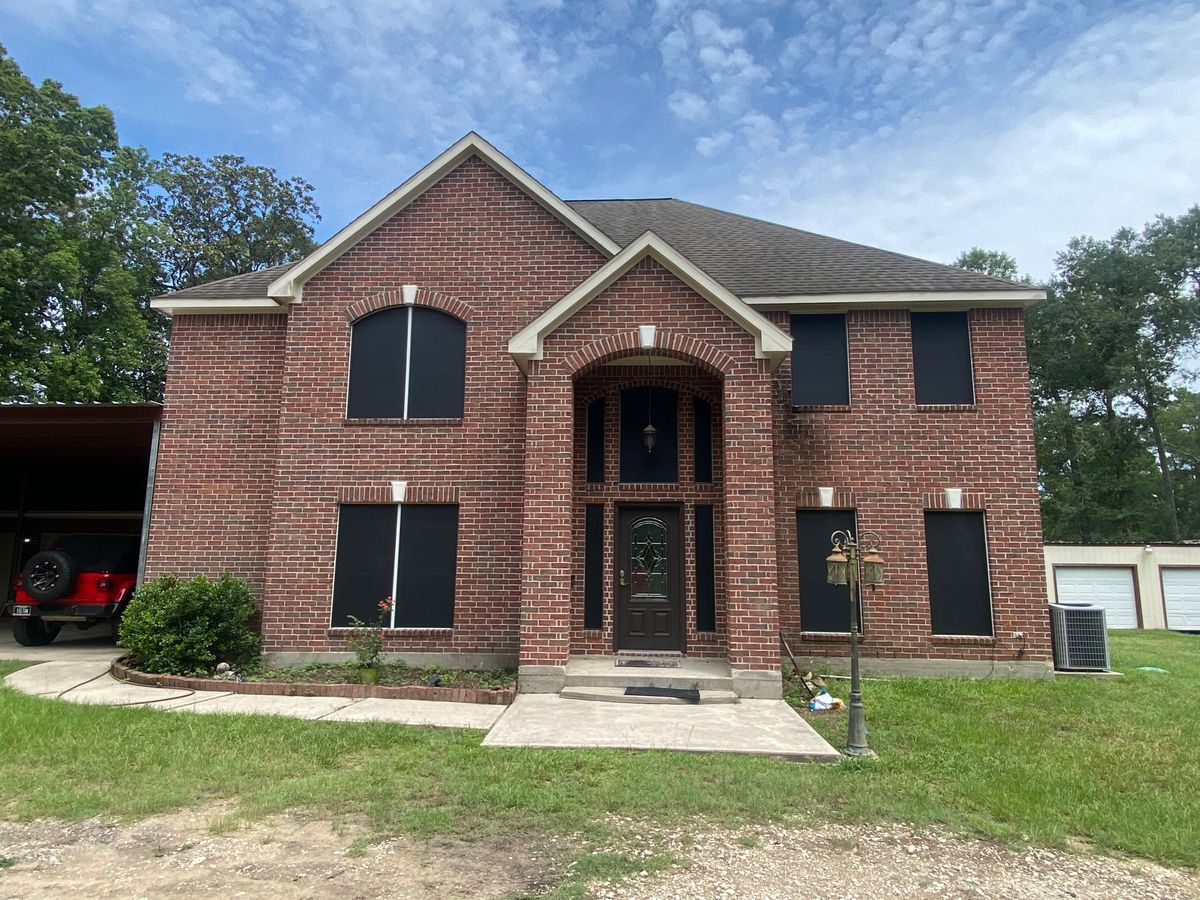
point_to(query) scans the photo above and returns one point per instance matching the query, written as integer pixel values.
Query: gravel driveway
(867, 862)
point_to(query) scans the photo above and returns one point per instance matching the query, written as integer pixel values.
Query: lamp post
(854, 562)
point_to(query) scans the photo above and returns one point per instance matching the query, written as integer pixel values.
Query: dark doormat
(688, 695)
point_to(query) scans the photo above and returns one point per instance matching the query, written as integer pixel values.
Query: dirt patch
(865, 861)
(288, 856)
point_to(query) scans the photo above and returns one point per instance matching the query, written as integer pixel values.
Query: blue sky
(925, 127)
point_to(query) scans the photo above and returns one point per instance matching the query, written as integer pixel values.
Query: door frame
(677, 571)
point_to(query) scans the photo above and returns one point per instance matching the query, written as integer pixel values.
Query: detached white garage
(1181, 597)
(1111, 588)
(1138, 585)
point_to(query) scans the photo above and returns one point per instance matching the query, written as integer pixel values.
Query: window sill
(346, 630)
(829, 637)
(822, 407)
(946, 407)
(393, 423)
(971, 640)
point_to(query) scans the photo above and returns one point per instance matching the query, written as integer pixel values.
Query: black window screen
(706, 585)
(644, 406)
(437, 372)
(820, 369)
(383, 360)
(702, 428)
(593, 566)
(428, 555)
(942, 357)
(377, 365)
(823, 606)
(956, 557)
(595, 441)
(364, 565)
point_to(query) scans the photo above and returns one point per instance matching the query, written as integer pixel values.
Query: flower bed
(501, 696)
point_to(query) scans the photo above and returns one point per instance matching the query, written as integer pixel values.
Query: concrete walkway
(756, 727)
(79, 673)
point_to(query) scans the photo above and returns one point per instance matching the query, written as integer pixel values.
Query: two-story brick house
(551, 428)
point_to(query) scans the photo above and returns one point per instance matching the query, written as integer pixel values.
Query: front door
(649, 579)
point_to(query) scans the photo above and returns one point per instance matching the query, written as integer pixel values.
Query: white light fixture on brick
(409, 293)
(826, 495)
(647, 333)
(954, 498)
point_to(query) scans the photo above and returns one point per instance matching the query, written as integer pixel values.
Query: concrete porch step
(618, 695)
(692, 673)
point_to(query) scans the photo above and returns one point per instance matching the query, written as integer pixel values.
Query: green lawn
(1110, 762)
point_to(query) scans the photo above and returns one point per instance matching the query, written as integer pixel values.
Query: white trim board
(172, 305)
(769, 341)
(899, 299)
(289, 286)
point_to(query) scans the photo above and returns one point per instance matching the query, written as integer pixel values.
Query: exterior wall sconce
(954, 498)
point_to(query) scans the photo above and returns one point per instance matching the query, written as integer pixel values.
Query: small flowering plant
(367, 639)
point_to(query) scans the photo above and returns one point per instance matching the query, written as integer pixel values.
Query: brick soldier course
(257, 452)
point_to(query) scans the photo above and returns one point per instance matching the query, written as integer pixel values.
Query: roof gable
(289, 286)
(769, 341)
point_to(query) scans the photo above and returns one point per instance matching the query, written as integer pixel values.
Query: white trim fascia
(289, 286)
(900, 299)
(173, 306)
(769, 341)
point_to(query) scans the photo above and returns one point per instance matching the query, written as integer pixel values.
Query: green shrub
(188, 627)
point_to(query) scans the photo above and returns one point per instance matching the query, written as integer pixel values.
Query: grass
(1111, 763)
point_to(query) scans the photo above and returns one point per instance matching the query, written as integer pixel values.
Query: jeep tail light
(103, 583)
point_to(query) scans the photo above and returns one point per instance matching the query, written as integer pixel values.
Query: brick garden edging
(494, 696)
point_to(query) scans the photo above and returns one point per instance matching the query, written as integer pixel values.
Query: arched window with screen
(407, 362)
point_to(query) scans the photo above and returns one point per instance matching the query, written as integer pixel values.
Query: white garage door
(1181, 597)
(1108, 586)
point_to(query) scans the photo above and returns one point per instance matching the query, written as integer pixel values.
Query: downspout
(149, 504)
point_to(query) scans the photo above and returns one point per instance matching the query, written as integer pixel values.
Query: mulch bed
(495, 696)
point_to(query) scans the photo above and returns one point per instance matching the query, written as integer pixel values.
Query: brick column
(752, 589)
(546, 537)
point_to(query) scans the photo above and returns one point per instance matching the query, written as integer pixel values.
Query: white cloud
(688, 106)
(711, 145)
(1106, 137)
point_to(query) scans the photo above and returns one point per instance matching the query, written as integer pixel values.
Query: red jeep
(83, 578)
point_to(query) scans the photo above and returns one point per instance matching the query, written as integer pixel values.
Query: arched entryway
(648, 484)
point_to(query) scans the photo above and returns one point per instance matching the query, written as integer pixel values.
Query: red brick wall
(479, 247)
(216, 456)
(895, 459)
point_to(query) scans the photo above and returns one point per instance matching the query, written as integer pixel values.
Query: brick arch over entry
(395, 297)
(667, 343)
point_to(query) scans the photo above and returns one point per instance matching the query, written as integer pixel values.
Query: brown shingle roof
(754, 258)
(751, 257)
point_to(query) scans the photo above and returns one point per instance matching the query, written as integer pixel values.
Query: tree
(223, 216)
(990, 262)
(90, 231)
(54, 152)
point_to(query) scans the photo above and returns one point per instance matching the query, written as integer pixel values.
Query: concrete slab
(192, 698)
(256, 704)
(758, 727)
(51, 679)
(107, 691)
(420, 712)
(71, 645)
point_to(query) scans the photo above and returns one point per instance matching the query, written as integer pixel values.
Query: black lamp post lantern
(854, 562)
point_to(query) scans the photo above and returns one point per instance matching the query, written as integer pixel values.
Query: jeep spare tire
(49, 575)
